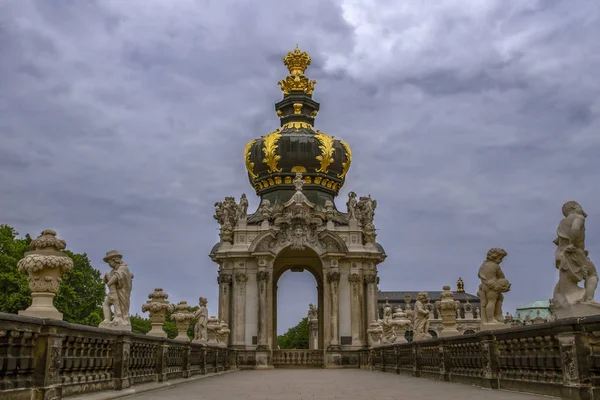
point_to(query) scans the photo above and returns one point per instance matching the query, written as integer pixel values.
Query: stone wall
(51, 359)
(559, 359)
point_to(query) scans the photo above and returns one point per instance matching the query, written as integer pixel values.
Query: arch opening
(305, 260)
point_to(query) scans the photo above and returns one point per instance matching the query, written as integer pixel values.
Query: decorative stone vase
(400, 324)
(182, 317)
(157, 306)
(213, 328)
(448, 308)
(223, 334)
(375, 332)
(45, 264)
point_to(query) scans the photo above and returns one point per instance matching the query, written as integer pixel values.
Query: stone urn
(375, 332)
(182, 316)
(400, 324)
(448, 309)
(45, 264)
(157, 306)
(213, 328)
(223, 334)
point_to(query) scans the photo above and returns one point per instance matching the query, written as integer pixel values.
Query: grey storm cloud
(122, 122)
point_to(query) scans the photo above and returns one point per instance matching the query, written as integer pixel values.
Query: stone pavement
(349, 384)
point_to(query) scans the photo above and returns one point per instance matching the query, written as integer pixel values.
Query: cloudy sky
(471, 123)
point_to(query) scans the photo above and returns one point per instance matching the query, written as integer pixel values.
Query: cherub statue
(493, 284)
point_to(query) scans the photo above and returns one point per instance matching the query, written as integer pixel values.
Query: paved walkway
(296, 384)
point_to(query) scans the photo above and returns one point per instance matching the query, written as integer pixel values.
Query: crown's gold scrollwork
(297, 62)
(249, 164)
(279, 113)
(327, 149)
(346, 164)
(314, 113)
(297, 125)
(270, 146)
(297, 108)
(298, 168)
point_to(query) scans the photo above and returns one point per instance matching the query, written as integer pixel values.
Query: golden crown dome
(297, 62)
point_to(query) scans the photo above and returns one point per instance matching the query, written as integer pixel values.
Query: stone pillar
(355, 307)
(333, 278)
(224, 280)
(157, 306)
(239, 314)
(45, 264)
(262, 279)
(122, 355)
(182, 317)
(370, 281)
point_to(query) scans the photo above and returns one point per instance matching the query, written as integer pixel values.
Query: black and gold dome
(273, 160)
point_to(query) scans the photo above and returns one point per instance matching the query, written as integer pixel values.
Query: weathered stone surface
(119, 282)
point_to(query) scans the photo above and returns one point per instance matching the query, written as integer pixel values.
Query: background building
(468, 319)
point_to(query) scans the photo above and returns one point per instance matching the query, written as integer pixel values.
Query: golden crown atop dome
(297, 62)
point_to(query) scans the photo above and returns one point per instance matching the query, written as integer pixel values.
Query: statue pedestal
(42, 306)
(200, 341)
(115, 326)
(157, 330)
(448, 332)
(493, 326)
(577, 310)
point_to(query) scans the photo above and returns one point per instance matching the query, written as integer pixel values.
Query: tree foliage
(296, 337)
(80, 294)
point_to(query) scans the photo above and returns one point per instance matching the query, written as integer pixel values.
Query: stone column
(157, 306)
(333, 279)
(355, 313)
(224, 280)
(239, 311)
(262, 279)
(45, 264)
(370, 281)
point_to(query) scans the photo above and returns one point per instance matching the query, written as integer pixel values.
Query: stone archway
(307, 260)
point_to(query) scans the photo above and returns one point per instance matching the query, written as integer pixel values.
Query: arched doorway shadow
(307, 260)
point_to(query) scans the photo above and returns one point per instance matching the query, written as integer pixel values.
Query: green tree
(296, 337)
(14, 289)
(140, 324)
(81, 291)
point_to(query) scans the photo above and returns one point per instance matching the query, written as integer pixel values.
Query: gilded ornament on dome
(249, 164)
(270, 146)
(298, 168)
(327, 150)
(297, 125)
(346, 164)
(297, 108)
(279, 113)
(297, 62)
(314, 113)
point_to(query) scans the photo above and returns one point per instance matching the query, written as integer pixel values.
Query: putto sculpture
(201, 317)
(45, 264)
(119, 282)
(421, 318)
(493, 284)
(574, 266)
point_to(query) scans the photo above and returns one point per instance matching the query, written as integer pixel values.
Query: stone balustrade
(298, 358)
(560, 358)
(51, 359)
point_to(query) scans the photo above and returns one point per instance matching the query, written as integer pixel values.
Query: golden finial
(297, 62)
